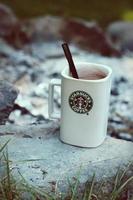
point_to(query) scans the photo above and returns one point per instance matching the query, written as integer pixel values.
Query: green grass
(115, 188)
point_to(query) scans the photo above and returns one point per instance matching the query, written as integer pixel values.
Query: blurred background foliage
(103, 11)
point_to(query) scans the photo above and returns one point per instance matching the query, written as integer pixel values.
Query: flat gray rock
(59, 161)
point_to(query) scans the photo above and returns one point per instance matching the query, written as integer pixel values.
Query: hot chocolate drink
(91, 74)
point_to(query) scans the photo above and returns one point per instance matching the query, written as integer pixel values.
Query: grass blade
(74, 190)
(33, 190)
(124, 172)
(1, 149)
(116, 182)
(2, 191)
(118, 191)
(91, 187)
(100, 187)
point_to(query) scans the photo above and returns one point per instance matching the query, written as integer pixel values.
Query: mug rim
(107, 68)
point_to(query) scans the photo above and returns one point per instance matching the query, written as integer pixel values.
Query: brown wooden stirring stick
(70, 60)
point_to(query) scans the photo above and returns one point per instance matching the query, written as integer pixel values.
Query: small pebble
(114, 92)
(120, 80)
(123, 79)
(126, 136)
(54, 75)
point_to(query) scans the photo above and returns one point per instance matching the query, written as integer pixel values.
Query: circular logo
(80, 102)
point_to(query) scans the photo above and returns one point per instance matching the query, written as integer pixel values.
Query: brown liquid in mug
(92, 74)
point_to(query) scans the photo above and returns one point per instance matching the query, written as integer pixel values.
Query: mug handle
(52, 114)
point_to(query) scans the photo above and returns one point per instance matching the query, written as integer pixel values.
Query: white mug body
(85, 125)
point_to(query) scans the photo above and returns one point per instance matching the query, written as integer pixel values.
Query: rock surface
(60, 162)
(10, 27)
(44, 130)
(121, 34)
(8, 94)
(86, 35)
(8, 20)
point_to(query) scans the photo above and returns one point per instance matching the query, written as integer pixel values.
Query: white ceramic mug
(84, 106)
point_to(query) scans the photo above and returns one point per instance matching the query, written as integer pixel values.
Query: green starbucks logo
(80, 102)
